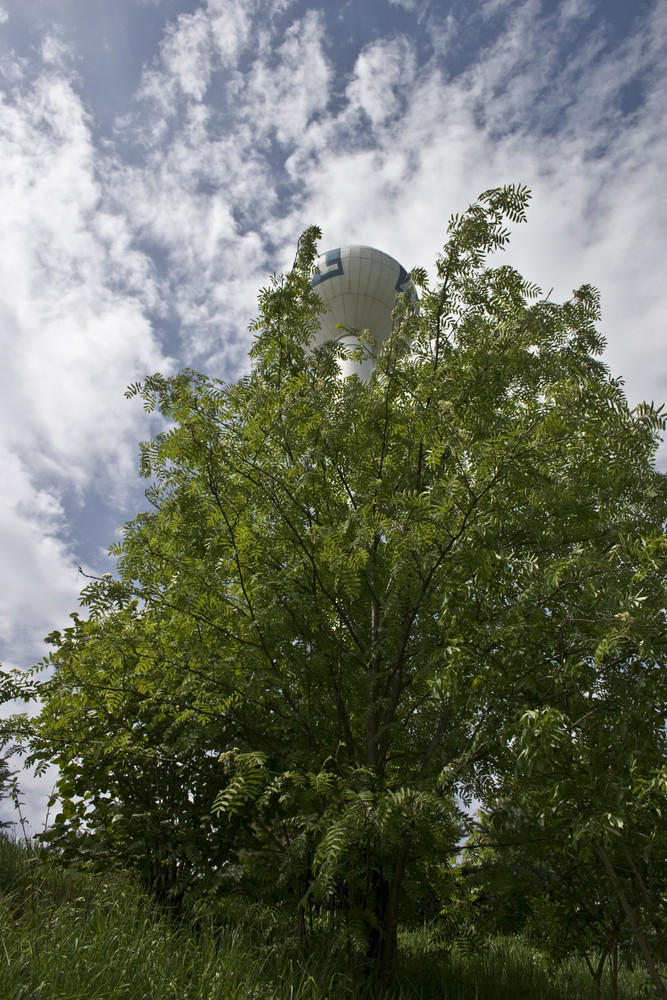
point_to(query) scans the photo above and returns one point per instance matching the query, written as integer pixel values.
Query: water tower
(360, 285)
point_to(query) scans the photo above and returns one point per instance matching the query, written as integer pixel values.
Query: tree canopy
(352, 607)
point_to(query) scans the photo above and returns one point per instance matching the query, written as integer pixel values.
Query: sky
(160, 158)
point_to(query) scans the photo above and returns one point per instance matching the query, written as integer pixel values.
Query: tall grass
(502, 968)
(73, 935)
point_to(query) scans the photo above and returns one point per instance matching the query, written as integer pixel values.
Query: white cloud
(188, 199)
(575, 10)
(236, 23)
(186, 57)
(75, 333)
(405, 4)
(74, 320)
(288, 85)
(55, 53)
(35, 560)
(194, 46)
(383, 72)
(208, 184)
(231, 26)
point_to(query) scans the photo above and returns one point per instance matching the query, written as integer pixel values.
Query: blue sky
(161, 157)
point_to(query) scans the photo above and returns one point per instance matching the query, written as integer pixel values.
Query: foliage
(134, 772)
(15, 685)
(584, 801)
(353, 603)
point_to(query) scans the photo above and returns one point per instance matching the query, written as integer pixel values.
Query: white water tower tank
(360, 285)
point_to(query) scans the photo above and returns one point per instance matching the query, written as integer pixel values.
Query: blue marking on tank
(405, 285)
(402, 276)
(334, 265)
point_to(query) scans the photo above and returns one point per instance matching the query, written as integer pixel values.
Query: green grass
(503, 968)
(73, 935)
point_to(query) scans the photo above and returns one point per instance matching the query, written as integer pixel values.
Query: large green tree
(346, 595)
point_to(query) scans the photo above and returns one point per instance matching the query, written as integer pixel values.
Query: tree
(15, 685)
(590, 776)
(528, 878)
(346, 595)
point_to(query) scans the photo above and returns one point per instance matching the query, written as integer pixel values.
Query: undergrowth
(69, 934)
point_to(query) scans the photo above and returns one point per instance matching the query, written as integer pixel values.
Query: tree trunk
(382, 943)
